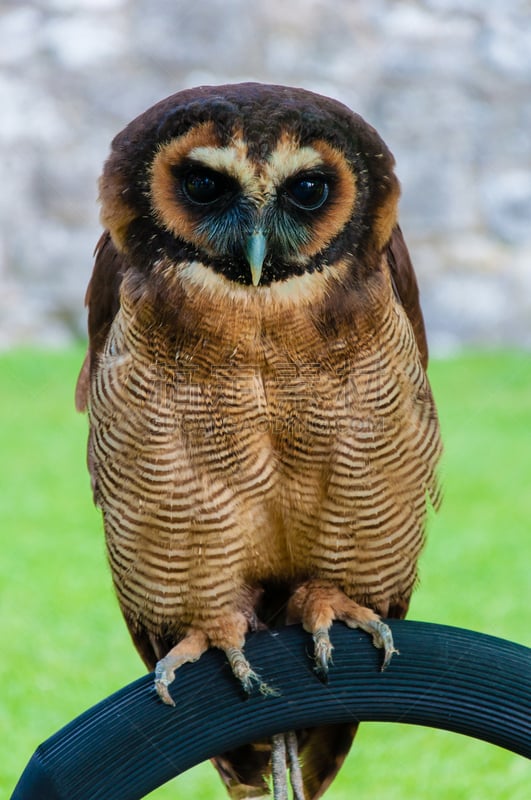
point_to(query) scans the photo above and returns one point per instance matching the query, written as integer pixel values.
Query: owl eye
(204, 186)
(308, 192)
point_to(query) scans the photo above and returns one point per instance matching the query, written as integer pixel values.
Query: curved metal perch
(445, 677)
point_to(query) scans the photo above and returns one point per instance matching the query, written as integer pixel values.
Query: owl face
(258, 184)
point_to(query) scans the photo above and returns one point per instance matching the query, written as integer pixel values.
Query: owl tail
(246, 770)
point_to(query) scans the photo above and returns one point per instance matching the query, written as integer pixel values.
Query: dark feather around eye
(203, 186)
(308, 190)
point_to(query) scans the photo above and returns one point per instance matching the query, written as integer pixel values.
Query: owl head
(256, 183)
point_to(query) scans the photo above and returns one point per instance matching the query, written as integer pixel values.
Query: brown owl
(263, 438)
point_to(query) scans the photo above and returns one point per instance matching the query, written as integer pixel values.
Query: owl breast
(220, 464)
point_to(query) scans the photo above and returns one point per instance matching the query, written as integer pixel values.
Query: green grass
(64, 646)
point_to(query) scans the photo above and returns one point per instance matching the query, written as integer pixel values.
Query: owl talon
(245, 673)
(382, 638)
(322, 653)
(164, 675)
(189, 649)
(163, 693)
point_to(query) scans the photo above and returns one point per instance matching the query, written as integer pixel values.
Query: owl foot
(189, 649)
(317, 604)
(284, 751)
(226, 633)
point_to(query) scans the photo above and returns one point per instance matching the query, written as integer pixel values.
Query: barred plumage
(262, 431)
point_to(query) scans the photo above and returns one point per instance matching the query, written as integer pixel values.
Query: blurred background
(447, 83)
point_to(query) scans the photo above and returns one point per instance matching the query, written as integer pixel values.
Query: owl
(263, 438)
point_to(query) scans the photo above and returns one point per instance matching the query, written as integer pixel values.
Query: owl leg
(284, 749)
(318, 603)
(295, 772)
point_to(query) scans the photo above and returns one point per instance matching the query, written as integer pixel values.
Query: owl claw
(382, 638)
(164, 675)
(322, 653)
(245, 673)
(189, 649)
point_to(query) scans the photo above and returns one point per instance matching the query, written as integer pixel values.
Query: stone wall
(446, 82)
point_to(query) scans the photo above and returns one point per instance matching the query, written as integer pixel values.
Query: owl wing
(103, 300)
(406, 289)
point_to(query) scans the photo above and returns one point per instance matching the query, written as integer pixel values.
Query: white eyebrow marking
(288, 159)
(258, 180)
(232, 160)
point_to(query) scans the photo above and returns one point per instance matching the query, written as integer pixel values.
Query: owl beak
(255, 251)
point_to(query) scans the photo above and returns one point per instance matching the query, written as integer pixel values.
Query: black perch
(130, 743)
